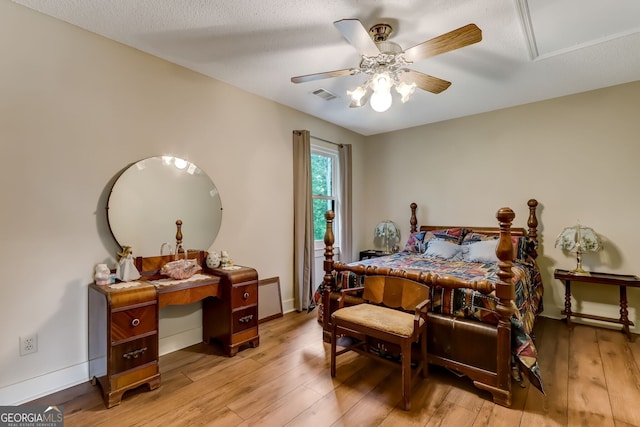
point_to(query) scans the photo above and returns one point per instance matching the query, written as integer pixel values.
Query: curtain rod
(328, 142)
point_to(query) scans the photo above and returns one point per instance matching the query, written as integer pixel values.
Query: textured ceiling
(531, 50)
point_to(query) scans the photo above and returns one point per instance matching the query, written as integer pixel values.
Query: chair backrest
(395, 292)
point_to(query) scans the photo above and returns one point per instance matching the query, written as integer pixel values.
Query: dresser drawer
(132, 322)
(245, 318)
(244, 294)
(134, 353)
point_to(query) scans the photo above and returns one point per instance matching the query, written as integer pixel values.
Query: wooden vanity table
(123, 321)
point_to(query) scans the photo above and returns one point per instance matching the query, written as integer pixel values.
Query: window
(324, 187)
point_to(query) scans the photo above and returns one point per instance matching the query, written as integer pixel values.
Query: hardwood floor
(591, 376)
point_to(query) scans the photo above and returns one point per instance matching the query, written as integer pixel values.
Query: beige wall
(578, 155)
(75, 109)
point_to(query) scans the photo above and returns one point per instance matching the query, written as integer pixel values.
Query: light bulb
(381, 82)
(381, 101)
(356, 95)
(405, 90)
(180, 163)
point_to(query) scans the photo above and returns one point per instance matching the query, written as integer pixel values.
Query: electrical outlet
(28, 344)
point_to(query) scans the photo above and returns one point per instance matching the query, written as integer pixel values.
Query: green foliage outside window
(322, 187)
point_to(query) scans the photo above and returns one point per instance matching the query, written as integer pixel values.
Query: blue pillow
(443, 249)
(483, 251)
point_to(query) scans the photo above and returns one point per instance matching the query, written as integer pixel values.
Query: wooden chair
(394, 313)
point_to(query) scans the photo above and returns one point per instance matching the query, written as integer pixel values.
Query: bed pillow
(483, 251)
(444, 249)
(520, 252)
(415, 242)
(453, 235)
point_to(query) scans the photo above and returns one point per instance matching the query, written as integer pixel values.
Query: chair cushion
(381, 318)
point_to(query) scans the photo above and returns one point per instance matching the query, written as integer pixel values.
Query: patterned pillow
(473, 237)
(454, 235)
(414, 243)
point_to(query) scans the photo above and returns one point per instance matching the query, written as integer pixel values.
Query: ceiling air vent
(324, 94)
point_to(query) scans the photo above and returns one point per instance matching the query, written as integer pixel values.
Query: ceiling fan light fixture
(387, 65)
(381, 100)
(358, 96)
(381, 82)
(405, 90)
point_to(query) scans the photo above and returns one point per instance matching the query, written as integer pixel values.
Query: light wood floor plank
(550, 409)
(622, 376)
(284, 409)
(427, 397)
(588, 398)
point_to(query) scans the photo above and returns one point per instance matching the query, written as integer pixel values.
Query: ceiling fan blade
(324, 75)
(463, 36)
(424, 81)
(358, 36)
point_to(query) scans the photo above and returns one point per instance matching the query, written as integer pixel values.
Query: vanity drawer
(134, 353)
(133, 321)
(245, 318)
(244, 294)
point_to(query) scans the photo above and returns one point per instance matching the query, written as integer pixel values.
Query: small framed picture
(269, 299)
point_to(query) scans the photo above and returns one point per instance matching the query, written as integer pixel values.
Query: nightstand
(620, 280)
(371, 253)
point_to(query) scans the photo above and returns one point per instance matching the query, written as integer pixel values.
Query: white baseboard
(180, 340)
(288, 306)
(44, 385)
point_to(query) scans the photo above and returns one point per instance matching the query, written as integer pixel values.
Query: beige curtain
(302, 220)
(344, 208)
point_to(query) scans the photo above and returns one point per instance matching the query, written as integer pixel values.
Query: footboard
(490, 370)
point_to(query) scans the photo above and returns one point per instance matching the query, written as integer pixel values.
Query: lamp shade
(386, 235)
(579, 237)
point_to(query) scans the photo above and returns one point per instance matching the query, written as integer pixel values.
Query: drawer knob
(245, 295)
(135, 353)
(246, 319)
(135, 322)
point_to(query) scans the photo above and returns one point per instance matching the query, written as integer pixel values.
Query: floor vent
(324, 94)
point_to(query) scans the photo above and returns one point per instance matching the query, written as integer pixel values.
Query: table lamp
(579, 239)
(388, 234)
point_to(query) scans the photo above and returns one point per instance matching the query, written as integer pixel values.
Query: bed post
(505, 293)
(327, 281)
(532, 223)
(413, 221)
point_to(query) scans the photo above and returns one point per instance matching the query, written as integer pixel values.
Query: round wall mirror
(151, 195)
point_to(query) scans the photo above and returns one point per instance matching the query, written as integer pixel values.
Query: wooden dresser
(232, 319)
(123, 322)
(123, 339)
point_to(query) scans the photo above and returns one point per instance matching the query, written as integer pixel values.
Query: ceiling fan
(386, 63)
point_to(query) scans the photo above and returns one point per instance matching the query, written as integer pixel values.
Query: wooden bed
(479, 350)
